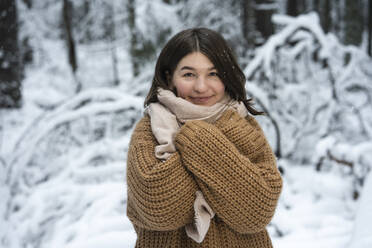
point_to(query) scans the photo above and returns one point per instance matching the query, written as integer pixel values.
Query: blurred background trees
(10, 67)
(142, 27)
(84, 67)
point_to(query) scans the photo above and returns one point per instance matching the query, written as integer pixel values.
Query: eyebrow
(193, 69)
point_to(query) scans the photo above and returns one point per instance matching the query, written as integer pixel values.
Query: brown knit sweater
(230, 161)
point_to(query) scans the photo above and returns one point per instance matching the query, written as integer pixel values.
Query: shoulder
(232, 117)
(251, 120)
(143, 124)
(142, 130)
(241, 129)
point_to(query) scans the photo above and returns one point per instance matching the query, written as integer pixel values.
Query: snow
(312, 210)
(62, 155)
(266, 6)
(264, 54)
(362, 233)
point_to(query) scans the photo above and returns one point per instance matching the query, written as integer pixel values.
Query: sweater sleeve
(160, 193)
(240, 181)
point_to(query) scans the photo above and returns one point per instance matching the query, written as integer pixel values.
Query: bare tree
(114, 59)
(112, 40)
(247, 21)
(369, 27)
(10, 66)
(133, 36)
(338, 23)
(264, 9)
(292, 8)
(26, 51)
(353, 22)
(296, 7)
(67, 18)
(324, 9)
(327, 16)
(28, 3)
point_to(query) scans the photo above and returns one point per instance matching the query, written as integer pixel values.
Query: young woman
(200, 171)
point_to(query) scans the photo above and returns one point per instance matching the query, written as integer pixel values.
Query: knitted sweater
(232, 164)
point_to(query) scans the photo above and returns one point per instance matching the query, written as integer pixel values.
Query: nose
(200, 85)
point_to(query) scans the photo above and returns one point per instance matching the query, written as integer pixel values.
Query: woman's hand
(242, 190)
(244, 133)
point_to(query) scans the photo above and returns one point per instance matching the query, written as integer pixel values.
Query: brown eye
(188, 74)
(213, 74)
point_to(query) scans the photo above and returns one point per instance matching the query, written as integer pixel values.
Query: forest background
(73, 77)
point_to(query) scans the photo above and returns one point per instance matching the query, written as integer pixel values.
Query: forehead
(195, 60)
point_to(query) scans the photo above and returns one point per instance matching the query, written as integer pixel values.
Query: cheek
(220, 89)
(183, 89)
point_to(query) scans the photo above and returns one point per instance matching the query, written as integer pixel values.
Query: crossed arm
(230, 161)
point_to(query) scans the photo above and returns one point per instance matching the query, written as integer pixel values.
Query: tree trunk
(324, 10)
(263, 11)
(133, 36)
(247, 20)
(302, 6)
(10, 67)
(297, 7)
(316, 5)
(112, 40)
(292, 7)
(353, 22)
(26, 52)
(67, 17)
(88, 36)
(338, 23)
(28, 3)
(327, 17)
(370, 28)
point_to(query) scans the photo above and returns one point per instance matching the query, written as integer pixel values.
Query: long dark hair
(212, 45)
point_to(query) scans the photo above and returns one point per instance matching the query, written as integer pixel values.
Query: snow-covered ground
(315, 210)
(62, 156)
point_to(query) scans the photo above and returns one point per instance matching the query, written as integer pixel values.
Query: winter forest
(74, 75)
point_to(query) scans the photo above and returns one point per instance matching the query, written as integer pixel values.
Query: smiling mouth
(200, 99)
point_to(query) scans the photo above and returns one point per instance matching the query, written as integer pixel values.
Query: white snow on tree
(63, 180)
(319, 94)
(68, 173)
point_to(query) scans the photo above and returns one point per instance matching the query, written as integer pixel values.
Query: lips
(200, 100)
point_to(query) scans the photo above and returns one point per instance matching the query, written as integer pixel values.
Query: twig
(340, 161)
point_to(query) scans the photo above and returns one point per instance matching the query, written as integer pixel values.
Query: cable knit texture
(232, 164)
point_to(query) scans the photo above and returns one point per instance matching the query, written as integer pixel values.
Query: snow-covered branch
(312, 85)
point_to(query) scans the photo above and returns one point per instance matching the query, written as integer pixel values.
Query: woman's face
(196, 80)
